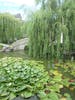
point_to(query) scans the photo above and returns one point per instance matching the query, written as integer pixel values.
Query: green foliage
(19, 77)
(53, 21)
(69, 17)
(1, 46)
(10, 28)
(59, 81)
(50, 96)
(27, 78)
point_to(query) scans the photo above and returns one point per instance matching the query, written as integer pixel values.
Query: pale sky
(20, 2)
(14, 6)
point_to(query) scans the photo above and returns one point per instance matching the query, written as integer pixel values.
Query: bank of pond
(22, 78)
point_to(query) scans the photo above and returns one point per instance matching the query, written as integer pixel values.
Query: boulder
(30, 98)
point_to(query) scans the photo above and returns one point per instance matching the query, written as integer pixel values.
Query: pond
(23, 55)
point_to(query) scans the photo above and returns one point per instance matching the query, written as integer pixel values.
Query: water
(21, 54)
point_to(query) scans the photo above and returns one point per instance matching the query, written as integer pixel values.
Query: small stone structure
(18, 45)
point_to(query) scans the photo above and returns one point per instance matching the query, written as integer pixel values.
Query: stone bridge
(20, 44)
(17, 45)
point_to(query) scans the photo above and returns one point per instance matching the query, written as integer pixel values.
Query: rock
(31, 98)
(19, 98)
(4, 47)
(7, 49)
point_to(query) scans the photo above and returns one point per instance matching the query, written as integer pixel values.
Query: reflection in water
(21, 54)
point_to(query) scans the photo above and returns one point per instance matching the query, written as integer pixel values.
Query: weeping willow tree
(51, 29)
(42, 35)
(10, 28)
(68, 9)
(38, 44)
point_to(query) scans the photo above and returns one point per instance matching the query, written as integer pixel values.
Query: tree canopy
(51, 29)
(10, 28)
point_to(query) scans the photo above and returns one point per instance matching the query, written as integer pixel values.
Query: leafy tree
(51, 29)
(10, 28)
